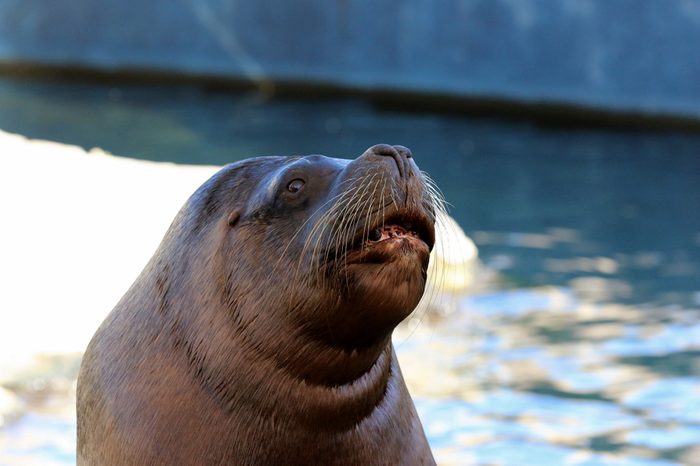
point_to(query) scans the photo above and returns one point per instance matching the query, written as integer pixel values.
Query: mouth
(402, 230)
(389, 231)
(409, 226)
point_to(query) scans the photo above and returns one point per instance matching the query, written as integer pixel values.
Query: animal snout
(400, 154)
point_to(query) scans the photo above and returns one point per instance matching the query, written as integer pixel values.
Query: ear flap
(233, 218)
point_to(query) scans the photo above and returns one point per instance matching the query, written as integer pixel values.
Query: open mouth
(413, 229)
(388, 232)
(402, 226)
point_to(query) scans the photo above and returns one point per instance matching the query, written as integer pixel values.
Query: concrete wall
(638, 55)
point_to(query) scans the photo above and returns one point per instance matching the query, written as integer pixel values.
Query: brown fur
(260, 331)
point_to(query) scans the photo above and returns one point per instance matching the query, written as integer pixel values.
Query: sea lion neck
(319, 362)
(307, 344)
(337, 388)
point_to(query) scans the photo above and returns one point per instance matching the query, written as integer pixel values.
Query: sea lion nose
(403, 150)
(400, 154)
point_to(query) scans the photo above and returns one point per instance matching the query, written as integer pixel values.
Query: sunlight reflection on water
(548, 379)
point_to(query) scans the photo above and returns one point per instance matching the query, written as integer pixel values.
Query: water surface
(584, 350)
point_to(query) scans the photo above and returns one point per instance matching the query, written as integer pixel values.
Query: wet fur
(249, 339)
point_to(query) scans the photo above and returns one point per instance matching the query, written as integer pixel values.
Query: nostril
(403, 150)
(390, 151)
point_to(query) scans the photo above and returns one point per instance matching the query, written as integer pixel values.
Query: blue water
(585, 348)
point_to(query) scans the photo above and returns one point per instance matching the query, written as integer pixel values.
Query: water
(584, 350)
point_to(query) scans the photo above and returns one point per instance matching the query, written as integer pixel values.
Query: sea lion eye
(295, 185)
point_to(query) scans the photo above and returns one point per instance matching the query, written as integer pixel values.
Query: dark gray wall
(640, 55)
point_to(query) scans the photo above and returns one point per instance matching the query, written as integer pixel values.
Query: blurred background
(565, 134)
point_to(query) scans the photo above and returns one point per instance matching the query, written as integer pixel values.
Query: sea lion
(260, 331)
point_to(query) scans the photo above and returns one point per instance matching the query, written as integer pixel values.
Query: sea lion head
(327, 250)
